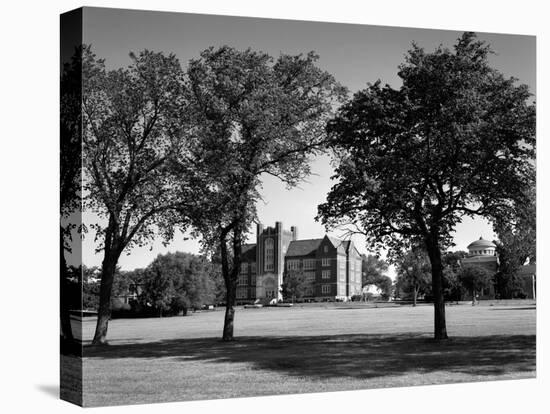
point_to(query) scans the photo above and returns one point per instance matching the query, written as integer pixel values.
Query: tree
(516, 245)
(373, 268)
(294, 285)
(385, 284)
(474, 279)
(456, 139)
(132, 128)
(91, 279)
(254, 116)
(452, 287)
(413, 272)
(70, 173)
(178, 281)
(373, 273)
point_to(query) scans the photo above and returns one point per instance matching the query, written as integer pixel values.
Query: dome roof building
(482, 247)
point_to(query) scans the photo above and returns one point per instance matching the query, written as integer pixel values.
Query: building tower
(271, 246)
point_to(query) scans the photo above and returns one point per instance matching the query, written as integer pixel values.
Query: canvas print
(259, 207)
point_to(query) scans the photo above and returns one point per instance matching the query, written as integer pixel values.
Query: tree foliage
(456, 139)
(373, 268)
(452, 287)
(294, 285)
(373, 273)
(179, 281)
(414, 273)
(475, 279)
(516, 244)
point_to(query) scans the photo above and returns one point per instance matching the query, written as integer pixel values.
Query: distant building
(482, 253)
(332, 267)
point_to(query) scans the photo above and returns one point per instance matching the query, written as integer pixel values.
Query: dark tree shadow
(355, 356)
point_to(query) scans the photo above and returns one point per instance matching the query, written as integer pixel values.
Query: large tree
(132, 128)
(70, 174)
(254, 116)
(456, 138)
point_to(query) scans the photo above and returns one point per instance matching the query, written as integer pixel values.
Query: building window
(325, 248)
(244, 268)
(293, 264)
(269, 254)
(342, 275)
(325, 274)
(309, 276)
(309, 263)
(242, 293)
(309, 291)
(325, 289)
(253, 267)
(253, 280)
(342, 263)
(325, 261)
(243, 280)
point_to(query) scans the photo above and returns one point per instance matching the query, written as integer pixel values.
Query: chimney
(259, 230)
(278, 227)
(294, 231)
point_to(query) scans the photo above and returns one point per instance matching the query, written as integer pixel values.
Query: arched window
(269, 254)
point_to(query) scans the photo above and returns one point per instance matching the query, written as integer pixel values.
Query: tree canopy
(456, 139)
(474, 279)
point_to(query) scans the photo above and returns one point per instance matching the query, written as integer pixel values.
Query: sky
(354, 54)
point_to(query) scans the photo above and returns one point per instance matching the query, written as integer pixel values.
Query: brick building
(332, 267)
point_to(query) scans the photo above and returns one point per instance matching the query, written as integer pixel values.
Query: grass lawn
(300, 350)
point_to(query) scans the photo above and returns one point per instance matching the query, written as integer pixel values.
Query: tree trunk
(473, 297)
(440, 326)
(104, 312)
(229, 313)
(415, 293)
(66, 329)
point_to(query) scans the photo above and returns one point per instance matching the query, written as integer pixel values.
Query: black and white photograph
(286, 207)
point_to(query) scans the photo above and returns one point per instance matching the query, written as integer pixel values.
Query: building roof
(303, 247)
(340, 245)
(481, 244)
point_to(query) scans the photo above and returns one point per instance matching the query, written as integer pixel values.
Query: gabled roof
(340, 245)
(303, 247)
(248, 252)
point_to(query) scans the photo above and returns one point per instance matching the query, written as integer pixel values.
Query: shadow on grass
(352, 356)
